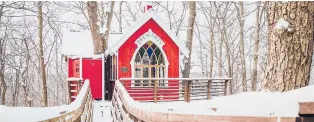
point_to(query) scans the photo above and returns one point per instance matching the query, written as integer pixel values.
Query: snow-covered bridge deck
(248, 106)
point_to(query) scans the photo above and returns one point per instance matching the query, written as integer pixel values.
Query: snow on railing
(125, 109)
(80, 109)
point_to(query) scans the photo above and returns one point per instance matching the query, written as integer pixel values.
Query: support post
(209, 83)
(187, 92)
(155, 91)
(226, 87)
(69, 92)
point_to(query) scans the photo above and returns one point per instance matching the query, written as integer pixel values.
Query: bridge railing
(175, 89)
(80, 110)
(125, 109)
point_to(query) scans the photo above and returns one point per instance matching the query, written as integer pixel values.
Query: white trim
(81, 67)
(149, 15)
(103, 78)
(162, 52)
(117, 66)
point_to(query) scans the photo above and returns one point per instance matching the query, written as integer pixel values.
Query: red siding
(92, 70)
(127, 50)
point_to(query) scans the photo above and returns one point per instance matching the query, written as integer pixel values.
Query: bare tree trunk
(243, 67)
(256, 48)
(290, 49)
(41, 54)
(226, 43)
(2, 63)
(120, 16)
(192, 15)
(220, 58)
(108, 24)
(211, 65)
(93, 20)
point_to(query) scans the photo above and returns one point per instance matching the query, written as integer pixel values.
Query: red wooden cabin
(77, 47)
(148, 50)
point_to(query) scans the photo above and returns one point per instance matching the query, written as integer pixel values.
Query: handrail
(188, 88)
(81, 109)
(123, 79)
(125, 109)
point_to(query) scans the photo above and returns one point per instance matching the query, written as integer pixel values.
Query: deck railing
(80, 110)
(173, 89)
(125, 109)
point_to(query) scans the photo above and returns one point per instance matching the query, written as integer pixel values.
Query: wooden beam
(208, 89)
(306, 109)
(226, 87)
(155, 91)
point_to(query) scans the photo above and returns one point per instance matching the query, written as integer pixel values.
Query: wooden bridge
(125, 109)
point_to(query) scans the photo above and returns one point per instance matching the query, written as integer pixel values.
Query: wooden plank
(155, 91)
(306, 109)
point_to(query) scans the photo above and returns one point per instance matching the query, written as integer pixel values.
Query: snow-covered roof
(77, 43)
(114, 38)
(150, 14)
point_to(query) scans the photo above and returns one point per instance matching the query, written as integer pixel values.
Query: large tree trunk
(41, 54)
(290, 49)
(256, 48)
(189, 39)
(108, 24)
(243, 67)
(98, 42)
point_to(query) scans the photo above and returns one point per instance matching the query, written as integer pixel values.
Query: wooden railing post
(226, 87)
(69, 92)
(155, 91)
(208, 89)
(187, 92)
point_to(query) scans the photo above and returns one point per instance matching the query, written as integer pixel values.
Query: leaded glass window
(149, 63)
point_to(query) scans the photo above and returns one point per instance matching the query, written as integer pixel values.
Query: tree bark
(289, 50)
(192, 15)
(94, 27)
(256, 48)
(120, 16)
(108, 24)
(243, 66)
(2, 63)
(41, 54)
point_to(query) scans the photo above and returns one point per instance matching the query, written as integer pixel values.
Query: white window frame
(149, 36)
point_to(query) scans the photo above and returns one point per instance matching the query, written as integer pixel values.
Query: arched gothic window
(149, 63)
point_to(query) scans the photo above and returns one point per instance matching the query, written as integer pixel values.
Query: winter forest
(262, 46)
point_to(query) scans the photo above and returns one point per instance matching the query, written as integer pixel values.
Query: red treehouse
(147, 50)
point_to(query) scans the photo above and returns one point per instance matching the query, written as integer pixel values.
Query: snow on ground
(242, 104)
(101, 111)
(33, 114)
